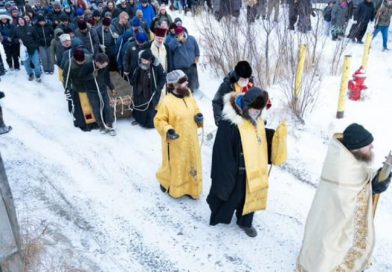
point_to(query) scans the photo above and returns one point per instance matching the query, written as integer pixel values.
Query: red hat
(160, 32)
(179, 30)
(91, 21)
(78, 54)
(106, 21)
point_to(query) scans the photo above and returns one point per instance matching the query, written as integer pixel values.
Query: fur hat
(255, 98)
(106, 21)
(82, 25)
(243, 69)
(160, 32)
(174, 76)
(78, 54)
(356, 136)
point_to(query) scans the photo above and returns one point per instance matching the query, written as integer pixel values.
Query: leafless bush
(338, 53)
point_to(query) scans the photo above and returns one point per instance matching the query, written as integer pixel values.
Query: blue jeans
(384, 32)
(34, 58)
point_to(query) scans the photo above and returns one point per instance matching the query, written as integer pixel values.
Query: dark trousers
(107, 113)
(12, 55)
(193, 77)
(358, 30)
(222, 211)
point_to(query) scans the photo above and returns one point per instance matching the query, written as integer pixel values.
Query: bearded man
(339, 231)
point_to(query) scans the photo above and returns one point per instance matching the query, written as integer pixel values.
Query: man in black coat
(107, 43)
(10, 42)
(229, 168)
(363, 15)
(45, 34)
(147, 81)
(97, 80)
(239, 80)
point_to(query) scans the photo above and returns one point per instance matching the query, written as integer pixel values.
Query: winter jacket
(107, 40)
(29, 37)
(365, 12)
(327, 13)
(45, 34)
(228, 85)
(117, 28)
(54, 16)
(55, 43)
(384, 15)
(131, 57)
(8, 31)
(71, 75)
(184, 54)
(158, 19)
(339, 15)
(148, 13)
(102, 78)
(181, 170)
(89, 40)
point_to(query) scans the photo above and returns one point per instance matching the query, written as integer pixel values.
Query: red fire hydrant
(357, 84)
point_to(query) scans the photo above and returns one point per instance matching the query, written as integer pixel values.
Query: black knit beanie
(356, 136)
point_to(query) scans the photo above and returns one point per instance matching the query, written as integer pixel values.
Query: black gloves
(199, 119)
(1, 94)
(380, 187)
(172, 135)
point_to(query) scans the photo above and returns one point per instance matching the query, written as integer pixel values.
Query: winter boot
(31, 77)
(111, 131)
(162, 189)
(38, 79)
(5, 129)
(250, 231)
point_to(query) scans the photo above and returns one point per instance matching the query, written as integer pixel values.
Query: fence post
(300, 71)
(343, 86)
(366, 49)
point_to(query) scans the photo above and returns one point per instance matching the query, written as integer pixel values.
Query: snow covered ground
(95, 204)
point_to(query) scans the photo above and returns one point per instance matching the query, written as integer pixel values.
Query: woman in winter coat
(161, 16)
(45, 34)
(383, 19)
(147, 81)
(242, 149)
(339, 19)
(363, 15)
(177, 121)
(10, 42)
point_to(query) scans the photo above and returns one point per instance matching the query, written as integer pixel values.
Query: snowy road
(98, 204)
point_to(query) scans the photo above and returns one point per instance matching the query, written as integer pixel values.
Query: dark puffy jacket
(131, 56)
(45, 34)
(89, 40)
(226, 87)
(327, 13)
(107, 40)
(8, 31)
(102, 77)
(365, 12)
(29, 37)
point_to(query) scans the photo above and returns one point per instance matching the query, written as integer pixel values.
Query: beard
(144, 67)
(363, 157)
(182, 91)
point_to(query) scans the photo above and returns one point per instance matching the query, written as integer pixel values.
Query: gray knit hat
(174, 76)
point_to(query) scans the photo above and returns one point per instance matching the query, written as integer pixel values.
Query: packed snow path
(98, 203)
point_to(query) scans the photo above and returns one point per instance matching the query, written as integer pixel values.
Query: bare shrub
(338, 53)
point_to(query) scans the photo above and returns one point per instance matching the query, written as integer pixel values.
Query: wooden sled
(122, 102)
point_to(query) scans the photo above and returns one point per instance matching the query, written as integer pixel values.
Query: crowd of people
(158, 57)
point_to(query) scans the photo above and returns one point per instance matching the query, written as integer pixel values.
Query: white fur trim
(228, 113)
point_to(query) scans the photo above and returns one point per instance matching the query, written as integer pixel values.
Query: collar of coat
(231, 111)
